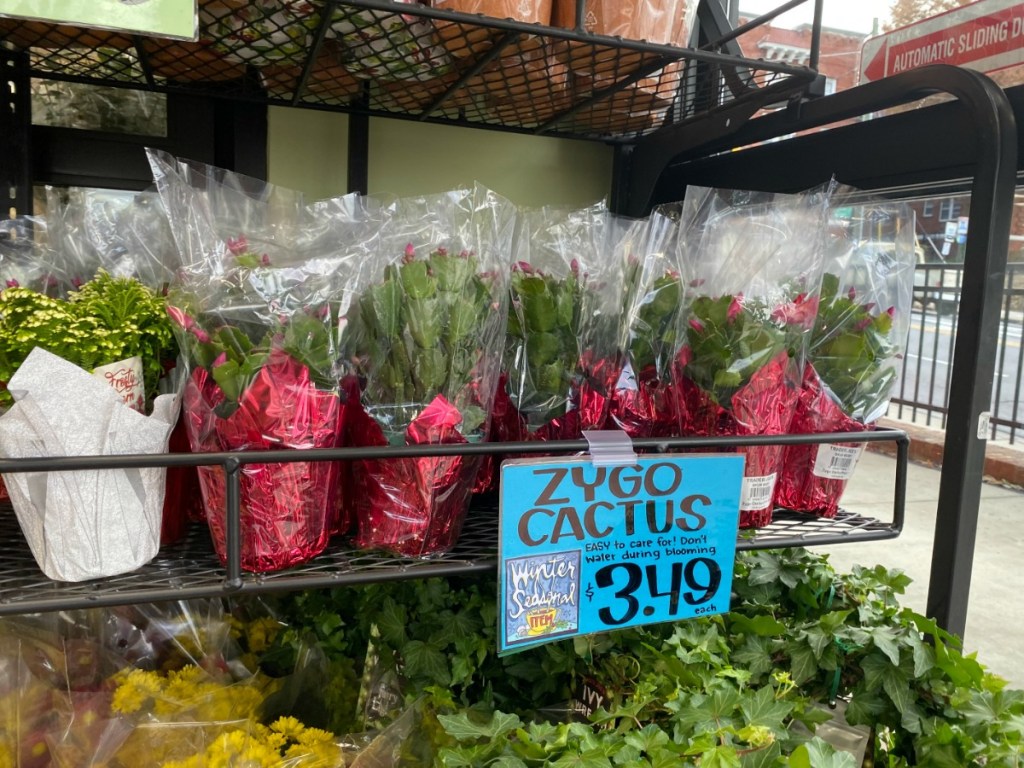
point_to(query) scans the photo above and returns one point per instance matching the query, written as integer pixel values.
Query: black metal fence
(923, 394)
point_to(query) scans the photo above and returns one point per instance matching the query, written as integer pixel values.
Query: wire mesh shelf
(387, 58)
(190, 568)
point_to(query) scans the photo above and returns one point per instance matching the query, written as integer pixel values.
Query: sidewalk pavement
(995, 614)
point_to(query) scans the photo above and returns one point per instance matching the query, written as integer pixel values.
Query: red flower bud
(237, 246)
(735, 309)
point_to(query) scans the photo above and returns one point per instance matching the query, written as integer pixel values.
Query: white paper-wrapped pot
(84, 524)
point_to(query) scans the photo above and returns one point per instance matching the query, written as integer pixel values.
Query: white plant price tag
(757, 492)
(837, 462)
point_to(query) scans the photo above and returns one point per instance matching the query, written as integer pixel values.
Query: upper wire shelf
(385, 58)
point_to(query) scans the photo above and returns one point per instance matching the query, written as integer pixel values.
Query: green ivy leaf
(589, 759)
(762, 625)
(865, 708)
(720, 756)
(755, 655)
(648, 739)
(762, 708)
(816, 753)
(391, 623)
(818, 639)
(463, 728)
(423, 660)
(886, 640)
(803, 664)
(761, 758)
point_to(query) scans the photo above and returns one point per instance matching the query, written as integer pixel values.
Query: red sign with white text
(986, 36)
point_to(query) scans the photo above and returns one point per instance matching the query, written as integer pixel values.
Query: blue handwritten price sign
(586, 549)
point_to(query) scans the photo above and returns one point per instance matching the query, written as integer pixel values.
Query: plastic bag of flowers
(643, 404)
(81, 377)
(22, 253)
(561, 355)
(257, 316)
(756, 260)
(125, 234)
(425, 342)
(854, 354)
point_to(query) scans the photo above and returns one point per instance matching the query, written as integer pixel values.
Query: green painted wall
(307, 151)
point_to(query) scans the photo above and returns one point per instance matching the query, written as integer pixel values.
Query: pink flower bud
(525, 267)
(441, 251)
(265, 260)
(220, 360)
(862, 324)
(237, 246)
(852, 293)
(735, 309)
(697, 283)
(12, 283)
(179, 317)
(410, 253)
(891, 311)
(76, 282)
(685, 355)
(188, 323)
(574, 266)
(696, 324)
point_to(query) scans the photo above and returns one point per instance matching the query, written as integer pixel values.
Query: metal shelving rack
(672, 114)
(467, 70)
(190, 568)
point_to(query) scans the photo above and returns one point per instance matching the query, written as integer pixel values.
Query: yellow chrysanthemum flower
(135, 690)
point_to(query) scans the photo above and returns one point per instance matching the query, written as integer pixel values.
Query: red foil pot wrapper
(589, 411)
(764, 406)
(814, 476)
(414, 507)
(183, 500)
(649, 410)
(287, 510)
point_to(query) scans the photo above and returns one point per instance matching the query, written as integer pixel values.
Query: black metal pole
(359, 148)
(233, 527)
(16, 129)
(963, 459)
(812, 60)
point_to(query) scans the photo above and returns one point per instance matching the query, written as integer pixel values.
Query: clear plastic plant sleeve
(267, 281)
(561, 357)
(754, 260)
(425, 339)
(855, 350)
(642, 403)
